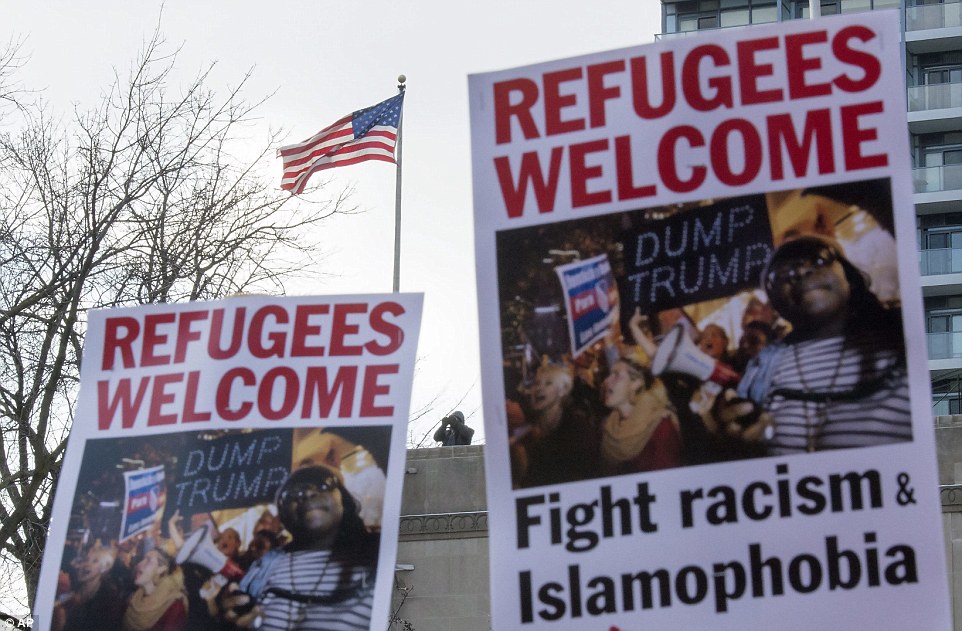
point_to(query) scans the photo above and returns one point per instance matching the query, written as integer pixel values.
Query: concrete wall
(948, 442)
(444, 480)
(444, 536)
(952, 522)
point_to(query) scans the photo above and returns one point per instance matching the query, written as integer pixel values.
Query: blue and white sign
(146, 495)
(591, 298)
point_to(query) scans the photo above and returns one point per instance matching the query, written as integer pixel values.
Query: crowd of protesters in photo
(817, 362)
(310, 566)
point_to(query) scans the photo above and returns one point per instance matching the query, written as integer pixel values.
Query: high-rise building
(932, 35)
(932, 59)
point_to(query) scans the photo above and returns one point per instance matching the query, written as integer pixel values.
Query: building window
(943, 325)
(855, 6)
(939, 158)
(942, 239)
(947, 396)
(944, 330)
(834, 7)
(939, 68)
(696, 15)
(736, 17)
(929, 14)
(764, 14)
(827, 7)
(946, 403)
(940, 244)
(936, 150)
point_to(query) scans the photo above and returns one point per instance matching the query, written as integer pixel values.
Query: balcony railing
(935, 179)
(677, 34)
(944, 345)
(661, 36)
(940, 261)
(935, 97)
(933, 16)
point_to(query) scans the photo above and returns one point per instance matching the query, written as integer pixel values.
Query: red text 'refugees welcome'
(813, 134)
(271, 389)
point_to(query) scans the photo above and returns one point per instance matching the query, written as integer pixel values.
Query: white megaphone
(678, 354)
(199, 548)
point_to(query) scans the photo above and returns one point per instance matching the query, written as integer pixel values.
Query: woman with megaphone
(839, 379)
(694, 377)
(322, 579)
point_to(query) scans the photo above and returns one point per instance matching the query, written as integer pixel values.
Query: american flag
(368, 134)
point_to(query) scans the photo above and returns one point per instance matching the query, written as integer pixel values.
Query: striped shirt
(838, 393)
(319, 574)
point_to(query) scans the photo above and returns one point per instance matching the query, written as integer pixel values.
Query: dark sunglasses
(790, 269)
(303, 490)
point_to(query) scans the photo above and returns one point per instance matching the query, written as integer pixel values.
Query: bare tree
(139, 200)
(11, 59)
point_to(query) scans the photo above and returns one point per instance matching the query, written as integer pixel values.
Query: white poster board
(228, 419)
(746, 175)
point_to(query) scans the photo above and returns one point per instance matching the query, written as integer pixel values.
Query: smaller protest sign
(145, 493)
(591, 297)
(232, 471)
(697, 256)
(241, 458)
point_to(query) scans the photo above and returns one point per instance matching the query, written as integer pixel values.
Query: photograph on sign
(222, 506)
(735, 294)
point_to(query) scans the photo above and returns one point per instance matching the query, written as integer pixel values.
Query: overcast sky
(324, 60)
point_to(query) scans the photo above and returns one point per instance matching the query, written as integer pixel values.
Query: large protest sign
(750, 444)
(234, 464)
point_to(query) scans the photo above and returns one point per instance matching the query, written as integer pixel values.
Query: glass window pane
(938, 324)
(855, 6)
(938, 240)
(763, 15)
(734, 17)
(940, 407)
(932, 158)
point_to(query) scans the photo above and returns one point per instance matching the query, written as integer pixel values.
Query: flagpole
(397, 196)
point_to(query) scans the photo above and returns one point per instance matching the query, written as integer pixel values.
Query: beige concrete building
(948, 436)
(441, 583)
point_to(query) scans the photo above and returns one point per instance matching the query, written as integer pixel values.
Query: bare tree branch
(139, 200)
